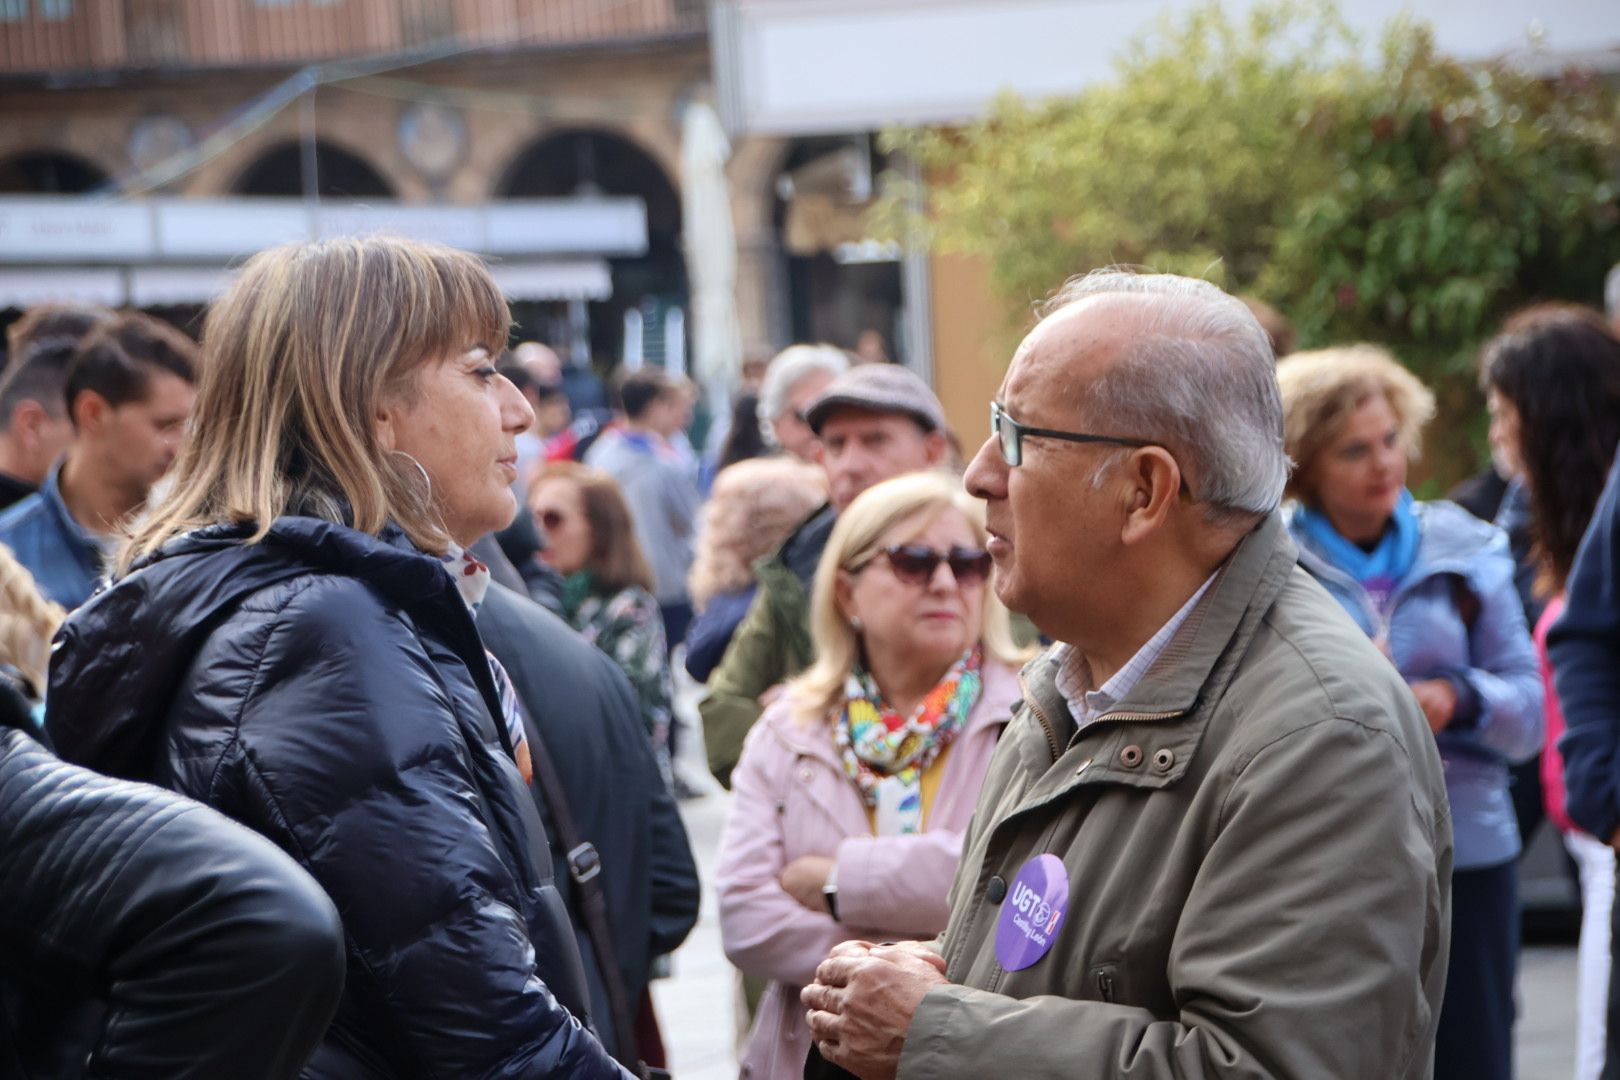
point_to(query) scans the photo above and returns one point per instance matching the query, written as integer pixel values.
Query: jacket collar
(87, 545)
(1194, 667)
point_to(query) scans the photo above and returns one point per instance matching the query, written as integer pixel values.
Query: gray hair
(788, 367)
(1611, 292)
(1200, 377)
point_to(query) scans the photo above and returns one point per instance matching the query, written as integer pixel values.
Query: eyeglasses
(1011, 435)
(915, 564)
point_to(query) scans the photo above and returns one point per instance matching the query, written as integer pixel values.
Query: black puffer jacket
(144, 935)
(329, 690)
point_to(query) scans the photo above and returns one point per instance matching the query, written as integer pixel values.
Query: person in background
(793, 379)
(854, 788)
(1433, 586)
(659, 482)
(34, 425)
(1611, 298)
(726, 424)
(1552, 380)
(1279, 331)
(869, 348)
(607, 584)
(69, 320)
(588, 718)
(746, 439)
(28, 622)
(753, 507)
(874, 422)
(128, 394)
(291, 639)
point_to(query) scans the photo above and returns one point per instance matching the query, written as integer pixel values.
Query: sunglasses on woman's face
(915, 564)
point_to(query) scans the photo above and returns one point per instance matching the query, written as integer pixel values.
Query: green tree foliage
(1393, 195)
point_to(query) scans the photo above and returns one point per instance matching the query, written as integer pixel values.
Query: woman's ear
(844, 595)
(384, 425)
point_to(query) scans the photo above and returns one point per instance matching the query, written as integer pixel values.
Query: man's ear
(90, 411)
(1152, 489)
(27, 418)
(935, 447)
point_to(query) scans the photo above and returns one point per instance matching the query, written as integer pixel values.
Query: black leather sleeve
(213, 953)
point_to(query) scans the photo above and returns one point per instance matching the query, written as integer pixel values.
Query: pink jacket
(1552, 762)
(791, 797)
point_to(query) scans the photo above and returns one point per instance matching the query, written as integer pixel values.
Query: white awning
(577, 279)
(25, 286)
(160, 286)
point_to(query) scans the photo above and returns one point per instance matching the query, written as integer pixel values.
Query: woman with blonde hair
(28, 621)
(856, 785)
(755, 504)
(291, 641)
(607, 583)
(1433, 585)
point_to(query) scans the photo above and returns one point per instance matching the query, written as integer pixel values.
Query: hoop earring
(427, 481)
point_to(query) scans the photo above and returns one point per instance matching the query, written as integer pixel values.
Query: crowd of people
(1171, 733)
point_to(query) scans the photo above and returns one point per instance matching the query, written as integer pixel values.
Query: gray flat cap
(883, 388)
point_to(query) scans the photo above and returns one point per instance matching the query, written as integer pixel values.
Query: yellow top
(929, 786)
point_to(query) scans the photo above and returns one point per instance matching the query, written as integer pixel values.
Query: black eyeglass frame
(1012, 449)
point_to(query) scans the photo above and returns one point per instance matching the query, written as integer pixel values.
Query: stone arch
(340, 173)
(49, 172)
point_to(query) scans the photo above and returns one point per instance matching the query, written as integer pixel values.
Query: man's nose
(986, 475)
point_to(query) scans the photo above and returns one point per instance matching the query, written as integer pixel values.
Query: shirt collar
(98, 544)
(1073, 673)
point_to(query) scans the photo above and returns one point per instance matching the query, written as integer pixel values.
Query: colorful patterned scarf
(886, 755)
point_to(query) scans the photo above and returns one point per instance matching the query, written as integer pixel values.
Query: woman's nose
(517, 415)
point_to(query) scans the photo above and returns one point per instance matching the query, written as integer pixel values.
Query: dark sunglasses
(915, 564)
(551, 520)
(1010, 434)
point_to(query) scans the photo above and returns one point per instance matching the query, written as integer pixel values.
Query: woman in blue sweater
(1433, 585)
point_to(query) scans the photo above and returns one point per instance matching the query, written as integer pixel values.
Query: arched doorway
(841, 285)
(650, 291)
(49, 172)
(339, 174)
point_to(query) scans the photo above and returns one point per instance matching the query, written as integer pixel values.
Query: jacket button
(1163, 758)
(804, 774)
(995, 889)
(1131, 756)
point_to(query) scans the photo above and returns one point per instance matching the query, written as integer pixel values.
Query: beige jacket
(1258, 852)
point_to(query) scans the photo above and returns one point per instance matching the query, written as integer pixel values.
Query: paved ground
(695, 1005)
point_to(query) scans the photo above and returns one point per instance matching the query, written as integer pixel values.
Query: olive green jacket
(1258, 851)
(771, 644)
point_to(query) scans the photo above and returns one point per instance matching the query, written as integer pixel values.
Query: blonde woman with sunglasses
(854, 788)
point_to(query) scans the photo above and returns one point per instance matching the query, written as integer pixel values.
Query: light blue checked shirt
(1074, 673)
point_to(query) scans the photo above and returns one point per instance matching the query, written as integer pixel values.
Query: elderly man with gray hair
(792, 381)
(1214, 840)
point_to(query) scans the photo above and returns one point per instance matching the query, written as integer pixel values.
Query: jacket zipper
(1105, 985)
(1046, 726)
(1133, 716)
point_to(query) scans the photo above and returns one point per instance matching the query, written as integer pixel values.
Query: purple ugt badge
(1034, 909)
